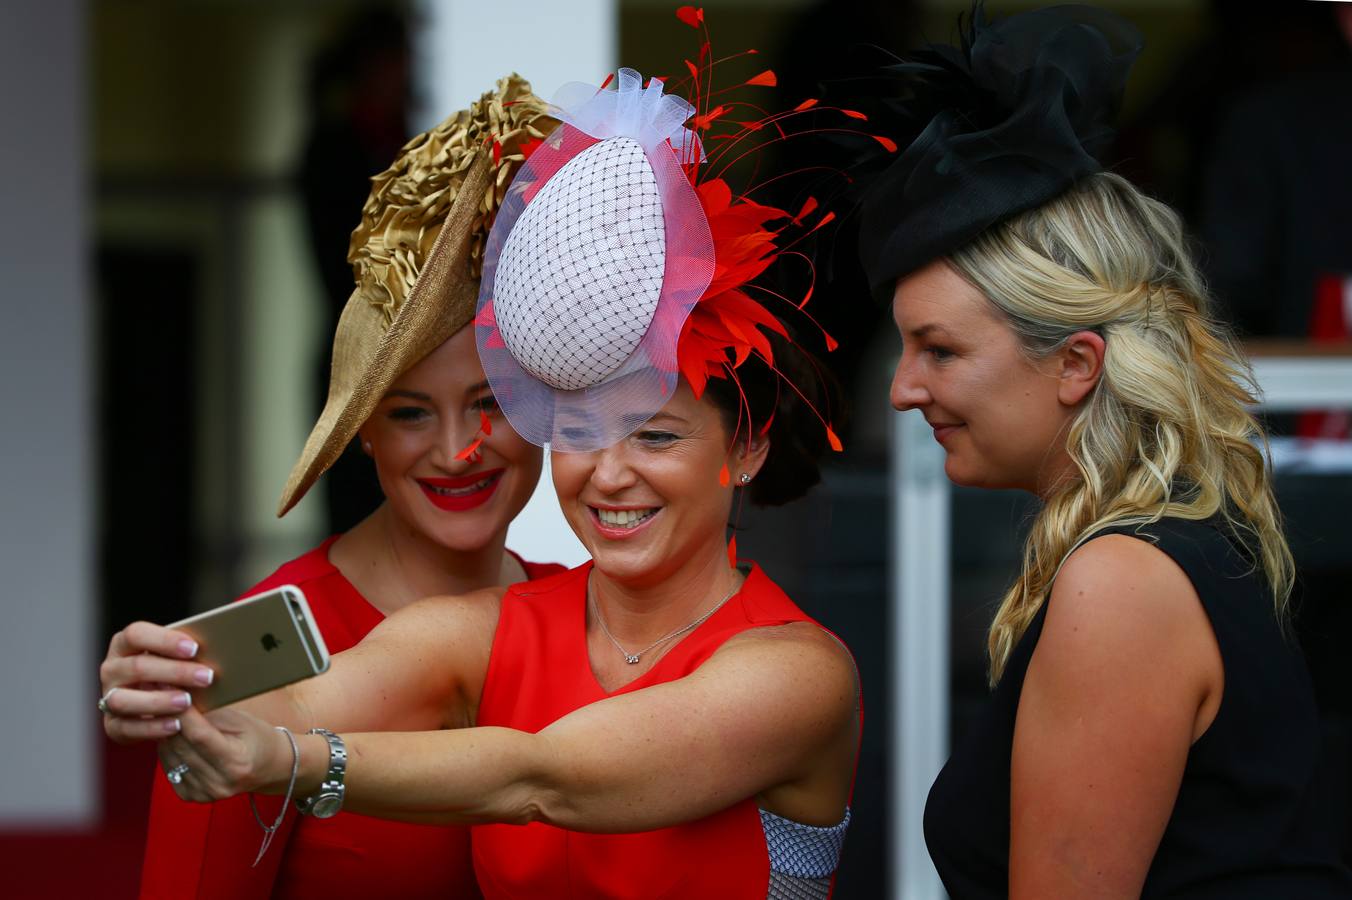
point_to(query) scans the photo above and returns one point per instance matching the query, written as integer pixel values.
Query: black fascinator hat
(998, 126)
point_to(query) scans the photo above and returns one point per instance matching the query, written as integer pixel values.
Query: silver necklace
(633, 658)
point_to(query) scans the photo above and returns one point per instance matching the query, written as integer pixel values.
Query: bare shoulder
(476, 607)
(1127, 583)
(445, 627)
(794, 654)
(486, 602)
(1123, 616)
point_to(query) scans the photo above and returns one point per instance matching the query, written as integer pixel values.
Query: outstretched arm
(421, 668)
(770, 714)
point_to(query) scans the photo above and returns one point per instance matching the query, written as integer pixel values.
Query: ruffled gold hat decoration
(417, 255)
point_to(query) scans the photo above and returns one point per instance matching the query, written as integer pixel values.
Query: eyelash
(487, 403)
(940, 354)
(656, 438)
(407, 413)
(576, 434)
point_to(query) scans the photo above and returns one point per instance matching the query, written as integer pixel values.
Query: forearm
(583, 773)
(464, 776)
(283, 706)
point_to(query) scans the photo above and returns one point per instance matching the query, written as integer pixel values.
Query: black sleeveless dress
(1250, 820)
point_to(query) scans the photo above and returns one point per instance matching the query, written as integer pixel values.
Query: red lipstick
(462, 492)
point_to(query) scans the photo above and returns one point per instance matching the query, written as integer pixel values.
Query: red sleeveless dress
(203, 852)
(539, 672)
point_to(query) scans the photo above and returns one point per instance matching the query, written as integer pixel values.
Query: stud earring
(366, 445)
(745, 479)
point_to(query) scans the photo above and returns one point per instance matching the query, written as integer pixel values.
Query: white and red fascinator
(619, 262)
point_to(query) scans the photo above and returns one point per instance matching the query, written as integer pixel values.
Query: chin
(463, 532)
(632, 566)
(462, 540)
(964, 476)
(958, 475)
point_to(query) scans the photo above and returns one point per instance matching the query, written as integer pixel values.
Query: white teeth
(624, 518)
(460, 492)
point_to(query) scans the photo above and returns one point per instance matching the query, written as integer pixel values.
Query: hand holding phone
(255, 645)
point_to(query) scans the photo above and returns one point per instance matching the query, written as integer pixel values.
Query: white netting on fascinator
(599, 251)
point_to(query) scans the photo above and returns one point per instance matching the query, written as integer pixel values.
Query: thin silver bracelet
(270, 830)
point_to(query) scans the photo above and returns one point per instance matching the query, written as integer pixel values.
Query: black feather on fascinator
(998, 126)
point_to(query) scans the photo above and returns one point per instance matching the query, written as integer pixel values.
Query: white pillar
(920, 562)
(47, 488)
(460, 49)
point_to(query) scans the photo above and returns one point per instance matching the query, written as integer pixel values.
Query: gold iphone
(255, 645)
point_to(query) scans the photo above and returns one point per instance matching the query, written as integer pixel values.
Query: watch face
(326, 806)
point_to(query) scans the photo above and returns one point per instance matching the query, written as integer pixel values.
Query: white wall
(463, 46)
(48, 775)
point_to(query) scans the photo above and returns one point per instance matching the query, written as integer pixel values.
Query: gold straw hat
(417, 255)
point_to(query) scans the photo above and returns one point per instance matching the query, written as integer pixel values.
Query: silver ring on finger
(103, 701)
(175, 775)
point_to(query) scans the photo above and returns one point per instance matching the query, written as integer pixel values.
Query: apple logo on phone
(269, 642)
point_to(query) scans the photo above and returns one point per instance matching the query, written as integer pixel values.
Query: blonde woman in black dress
(1152, 730)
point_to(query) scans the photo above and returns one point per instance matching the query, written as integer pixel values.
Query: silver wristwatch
(325, 802)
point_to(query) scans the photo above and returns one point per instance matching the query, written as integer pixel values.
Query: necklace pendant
(632, 660)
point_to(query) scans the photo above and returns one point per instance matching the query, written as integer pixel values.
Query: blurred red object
(103, 861)
(1330, 322)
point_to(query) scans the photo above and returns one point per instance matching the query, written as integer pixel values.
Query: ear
(1079, 366)
(747, 460)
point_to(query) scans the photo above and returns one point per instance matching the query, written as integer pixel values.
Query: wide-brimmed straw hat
(417, 256)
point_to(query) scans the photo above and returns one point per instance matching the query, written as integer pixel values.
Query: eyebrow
(664, 416)
(481, 386)
(924, 330)
(411, 395)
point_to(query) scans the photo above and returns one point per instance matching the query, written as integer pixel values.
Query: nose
(611, 472)
(908, 388)
(454, 436)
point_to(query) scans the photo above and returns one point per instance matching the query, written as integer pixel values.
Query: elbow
(544, 805)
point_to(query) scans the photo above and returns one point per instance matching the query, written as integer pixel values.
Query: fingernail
(187, 648)
(172, 726)
(182, 701)
(203, 676)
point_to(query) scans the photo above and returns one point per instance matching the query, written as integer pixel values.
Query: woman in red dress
(661, 721)
(442, 528)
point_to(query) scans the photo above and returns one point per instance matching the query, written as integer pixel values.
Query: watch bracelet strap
(333, 776)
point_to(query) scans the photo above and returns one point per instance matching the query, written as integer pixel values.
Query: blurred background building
(180, 179)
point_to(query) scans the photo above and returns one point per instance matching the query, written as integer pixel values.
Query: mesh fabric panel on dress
(802, 857)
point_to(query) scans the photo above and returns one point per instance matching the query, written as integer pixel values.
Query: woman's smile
(943, 431)
(618, 523)
(462, 492)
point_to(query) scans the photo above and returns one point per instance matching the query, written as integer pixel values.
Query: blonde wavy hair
(1167, 431)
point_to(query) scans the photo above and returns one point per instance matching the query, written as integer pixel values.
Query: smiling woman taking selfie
(1152, 730)
(407, 385)
(662, 721)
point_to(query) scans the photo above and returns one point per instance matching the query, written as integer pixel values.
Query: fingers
(126, 730)
(147, 637)
(199, 784)
(144, 668)
(228, 761)
(145, 679)
(126, 701)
